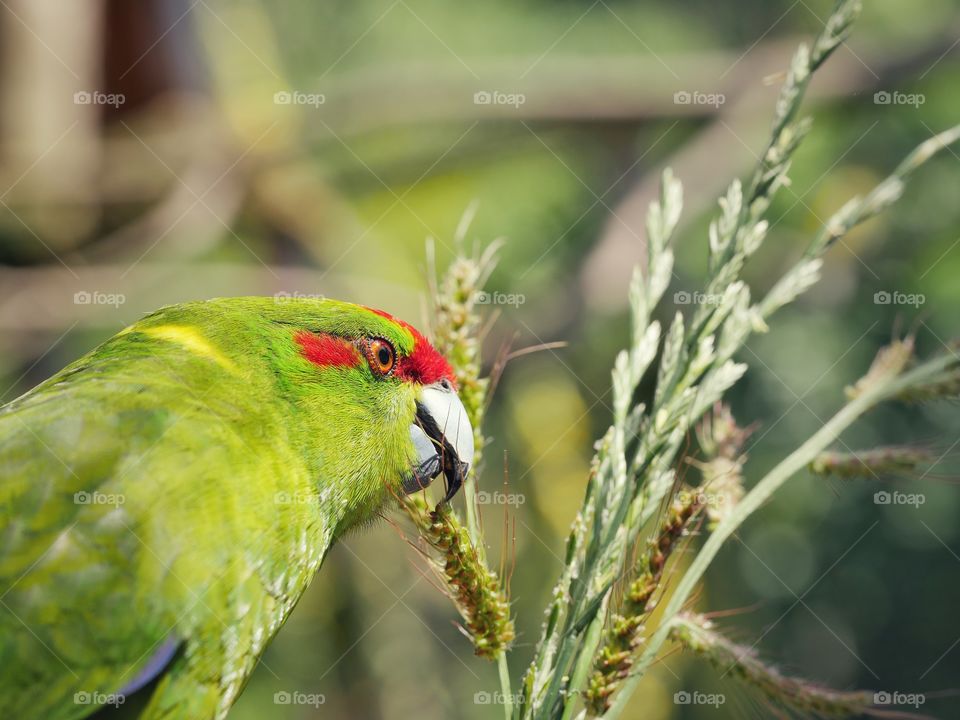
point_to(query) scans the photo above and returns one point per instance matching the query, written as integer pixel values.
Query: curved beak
(443, 439)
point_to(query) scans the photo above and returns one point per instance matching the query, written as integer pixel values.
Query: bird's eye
(381, 356)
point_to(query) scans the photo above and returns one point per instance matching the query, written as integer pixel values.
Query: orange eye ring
(381, 356)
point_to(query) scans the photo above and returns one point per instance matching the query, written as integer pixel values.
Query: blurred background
(169, 150)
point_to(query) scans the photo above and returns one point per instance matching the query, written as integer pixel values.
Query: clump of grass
(697, 634)
(591, 649)
(632, 475)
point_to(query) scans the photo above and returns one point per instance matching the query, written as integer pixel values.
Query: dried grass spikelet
(873, 462)
(945, 386)
(456, 327)
(890, 361)
(896, 357)
(696, 633)
(615, 658)
(722, 441)
(473, 587)
(476, 590)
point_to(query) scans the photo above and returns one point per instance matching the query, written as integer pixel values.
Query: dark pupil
(383, 355)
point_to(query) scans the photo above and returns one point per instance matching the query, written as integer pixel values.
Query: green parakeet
(166, 499)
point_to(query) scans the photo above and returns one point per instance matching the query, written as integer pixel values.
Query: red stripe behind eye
(327, 350)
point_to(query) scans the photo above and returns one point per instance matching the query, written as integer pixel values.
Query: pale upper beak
(443, 440)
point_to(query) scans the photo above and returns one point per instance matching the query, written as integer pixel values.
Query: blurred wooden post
(49, 139)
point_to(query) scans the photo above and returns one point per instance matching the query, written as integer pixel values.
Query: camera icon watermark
(284, 296)
(98, 698)
(500, 498)
(497, 97)
(895, 97)
(683, 697)
(284, 697)
(899, 698)
(95, 97)
(98, 498)
(484, 697)
(895, 297)
(86, 297)
(295, 97)
(701, 498)
(499, 298)
(885, 497)
(685, 97)
(682, 297)
(297, 498)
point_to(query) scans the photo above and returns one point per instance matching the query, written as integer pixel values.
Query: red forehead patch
(327, 350)
(424, 364)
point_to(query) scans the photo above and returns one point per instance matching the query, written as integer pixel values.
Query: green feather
(185, 478)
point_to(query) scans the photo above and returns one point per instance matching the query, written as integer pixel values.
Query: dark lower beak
(436, 454)
(442, 439)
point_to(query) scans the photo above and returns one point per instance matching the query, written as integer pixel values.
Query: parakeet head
(385, 398)
(407, 382)
(365, 402)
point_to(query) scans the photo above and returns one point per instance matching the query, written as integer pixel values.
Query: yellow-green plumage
(185, 480)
